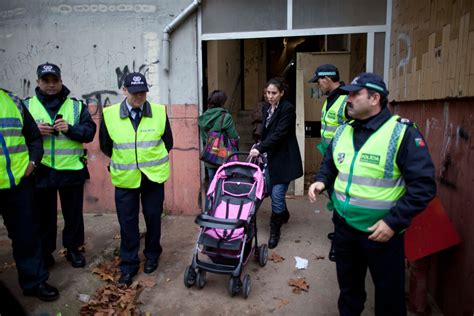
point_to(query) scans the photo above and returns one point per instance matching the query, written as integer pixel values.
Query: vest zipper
(136, 149)
(349, 183)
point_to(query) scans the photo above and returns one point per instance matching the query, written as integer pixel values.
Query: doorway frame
(370, 30)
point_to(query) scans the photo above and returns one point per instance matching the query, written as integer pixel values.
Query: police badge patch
(340, 157)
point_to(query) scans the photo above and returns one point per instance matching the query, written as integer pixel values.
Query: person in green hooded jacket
(210, 120)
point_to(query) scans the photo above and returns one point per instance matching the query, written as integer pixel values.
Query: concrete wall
(96, 44)
(448, 126)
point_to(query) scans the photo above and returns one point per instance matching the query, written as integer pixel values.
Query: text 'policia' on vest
(14, 157)
(137, 151)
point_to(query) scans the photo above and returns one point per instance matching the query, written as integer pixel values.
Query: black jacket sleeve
(33, 138)
(105, 141)
(327, 172)
(167, 136)
(418, 172)
(84, 131)
(286, 118)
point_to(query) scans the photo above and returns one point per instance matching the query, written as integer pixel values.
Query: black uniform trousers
(21, 219)
(127, 202)
(71, 198)
(385, 261)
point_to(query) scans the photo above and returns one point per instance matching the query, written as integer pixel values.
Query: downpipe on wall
(170, 28)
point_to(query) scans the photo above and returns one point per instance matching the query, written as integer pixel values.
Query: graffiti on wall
(403, 40)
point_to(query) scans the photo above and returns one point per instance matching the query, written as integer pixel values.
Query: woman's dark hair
(280, 84)
(216, 99)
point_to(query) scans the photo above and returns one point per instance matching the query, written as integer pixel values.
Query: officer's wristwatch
(33, 163)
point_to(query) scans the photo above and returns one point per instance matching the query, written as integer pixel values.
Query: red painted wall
(181, 190)
(448, 126)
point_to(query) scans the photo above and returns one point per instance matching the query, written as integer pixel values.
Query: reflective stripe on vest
(332, 118)
(14, 156)
(60, 152)
(369, 182)
(140, 151)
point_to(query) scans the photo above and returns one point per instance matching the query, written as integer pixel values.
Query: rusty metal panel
(448, 126)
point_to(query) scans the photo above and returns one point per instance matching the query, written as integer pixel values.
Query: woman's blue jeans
(278, 197)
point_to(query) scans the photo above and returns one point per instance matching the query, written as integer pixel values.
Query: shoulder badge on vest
(406, 122)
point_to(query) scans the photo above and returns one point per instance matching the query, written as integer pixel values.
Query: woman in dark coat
(283, 154)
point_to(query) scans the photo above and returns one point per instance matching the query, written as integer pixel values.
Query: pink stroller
(229, 227)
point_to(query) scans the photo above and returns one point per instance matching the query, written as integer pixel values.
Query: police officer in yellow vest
(333, 112)
(66, 125)
(21, 149)
(383, 176)
(333, 115)
(136, 135)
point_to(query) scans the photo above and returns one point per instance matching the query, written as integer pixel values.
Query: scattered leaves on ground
(298, 285)
(117, 236)
(108, 270)
(317, 257)
(7, 266)
(111, 299)
(281, 302)
(275, 257)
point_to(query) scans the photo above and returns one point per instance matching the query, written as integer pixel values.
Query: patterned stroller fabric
(233, 192)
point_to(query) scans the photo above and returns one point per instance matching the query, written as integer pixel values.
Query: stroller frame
(227, 256)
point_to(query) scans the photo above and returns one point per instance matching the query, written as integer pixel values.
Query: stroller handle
(246, 153)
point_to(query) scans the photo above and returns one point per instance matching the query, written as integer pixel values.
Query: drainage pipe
(170, 28)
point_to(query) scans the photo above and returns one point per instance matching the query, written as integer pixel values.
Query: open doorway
(241, 68)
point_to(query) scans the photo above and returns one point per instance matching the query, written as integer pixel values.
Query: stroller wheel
(234, 286)
(201, 279)
(189, 277)
(263, 255)
(246, 286)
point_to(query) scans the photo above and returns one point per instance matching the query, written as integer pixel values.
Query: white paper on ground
(301, 263)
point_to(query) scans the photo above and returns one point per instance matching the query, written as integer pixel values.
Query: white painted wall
(95, 43)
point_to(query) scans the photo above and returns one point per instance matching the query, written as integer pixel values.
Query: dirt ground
(304, 236)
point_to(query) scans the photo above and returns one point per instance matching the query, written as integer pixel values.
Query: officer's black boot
(332, 252)
(285, 216)
(276, 221)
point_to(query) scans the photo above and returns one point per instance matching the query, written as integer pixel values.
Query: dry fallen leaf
(148, 282)
(281, 302)
(275, 257)
(299, 285)
(108, 270)
(117, 236)
(319, 257)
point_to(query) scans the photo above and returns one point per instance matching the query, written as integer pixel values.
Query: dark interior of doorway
(281, 58)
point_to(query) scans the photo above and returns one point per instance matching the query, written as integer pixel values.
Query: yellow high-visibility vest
(14, 158)
(137, 151)
(330, 120)
(60, 152)
(369, 182)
